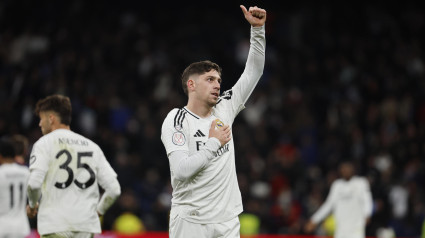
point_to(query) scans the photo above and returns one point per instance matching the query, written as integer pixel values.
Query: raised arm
(255, 63)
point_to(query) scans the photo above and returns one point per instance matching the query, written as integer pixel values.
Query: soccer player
(206, 198)
(13, 182)
(66, 169)
(350, 200)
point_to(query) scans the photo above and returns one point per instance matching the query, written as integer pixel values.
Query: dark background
(342, 81)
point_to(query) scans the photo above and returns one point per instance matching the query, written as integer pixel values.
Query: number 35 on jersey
(82, 169)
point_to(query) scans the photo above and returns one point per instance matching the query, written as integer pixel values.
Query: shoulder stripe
(178, 119)
(190, 113)
(177, 116)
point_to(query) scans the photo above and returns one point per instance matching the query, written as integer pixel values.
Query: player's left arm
(107, 179)
(256, 57)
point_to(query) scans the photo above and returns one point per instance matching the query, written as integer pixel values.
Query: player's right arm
(323, 211)
(254, 66)
(184, 166)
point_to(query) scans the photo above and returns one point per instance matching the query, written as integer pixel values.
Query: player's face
(346, 170)
(45, 123)
(208, 87)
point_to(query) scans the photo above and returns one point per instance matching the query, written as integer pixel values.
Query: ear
(190, 84)
(52, 118)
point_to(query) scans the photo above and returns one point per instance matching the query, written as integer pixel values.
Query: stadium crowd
(341, 82)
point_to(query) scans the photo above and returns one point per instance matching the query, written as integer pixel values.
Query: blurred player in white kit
(66, 171)
(13, 195)
(206, 198)
(350, 200)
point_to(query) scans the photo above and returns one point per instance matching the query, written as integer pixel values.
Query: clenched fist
(255, 16)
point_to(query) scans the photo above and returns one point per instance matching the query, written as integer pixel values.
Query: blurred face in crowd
(45, 122)
(346, 170)
(206, 87)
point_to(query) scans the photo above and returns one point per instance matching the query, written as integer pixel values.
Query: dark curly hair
(57, 103)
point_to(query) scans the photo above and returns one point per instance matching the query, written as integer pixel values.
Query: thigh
(64, 234)
(180, 228)
(83, 235)
(228, 229)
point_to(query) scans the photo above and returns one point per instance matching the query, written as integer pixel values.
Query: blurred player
(206, 198)
(21, 148)
(66, 169)
(350, 200)
(13, 195)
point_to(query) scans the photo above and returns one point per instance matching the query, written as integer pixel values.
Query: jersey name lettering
(73, 141)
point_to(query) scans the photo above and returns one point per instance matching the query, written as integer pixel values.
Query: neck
(60, 126)
(201, 109)
(7, 161)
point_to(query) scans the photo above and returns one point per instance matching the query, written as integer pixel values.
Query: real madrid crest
(219, 123)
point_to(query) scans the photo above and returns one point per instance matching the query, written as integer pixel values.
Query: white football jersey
(351, 203)
(212, 195)
(13, 200)
(75, 166)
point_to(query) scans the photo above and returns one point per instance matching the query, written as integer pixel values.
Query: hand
(367, 220)
(309, 227)
(223, 134)
(255, 16)
(32, 212)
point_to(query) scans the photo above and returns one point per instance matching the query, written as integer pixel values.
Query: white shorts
(69, 234)
(180, 228)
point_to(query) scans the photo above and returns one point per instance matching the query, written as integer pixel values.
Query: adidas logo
(199, 134)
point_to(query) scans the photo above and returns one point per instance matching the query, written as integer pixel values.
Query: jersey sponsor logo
(219, 152)
(179, 138)
(199, 144)
(222, 150)
(199, 134)
(32, 159)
